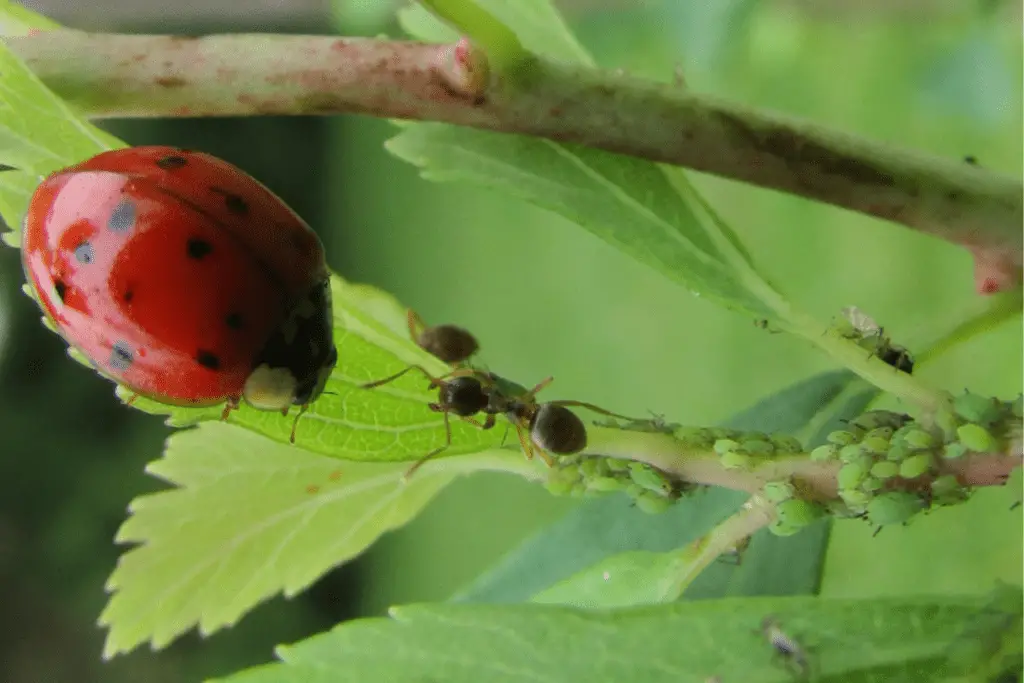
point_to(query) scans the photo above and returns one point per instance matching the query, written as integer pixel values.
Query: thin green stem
(998, 310)
(504, 51)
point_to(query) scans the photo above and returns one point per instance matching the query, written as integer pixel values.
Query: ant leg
(541, 385)
(433, 380)
(591, 406)
(232, 404)
(415, 323)
(524, 441)
(422, 461)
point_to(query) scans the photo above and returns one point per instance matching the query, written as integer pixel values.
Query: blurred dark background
(543, 296)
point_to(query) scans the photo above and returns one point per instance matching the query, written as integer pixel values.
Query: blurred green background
(544, 297)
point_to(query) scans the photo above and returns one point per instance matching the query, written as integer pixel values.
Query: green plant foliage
(573, 551)
(632, 204)
(897, 640)
(250, 518)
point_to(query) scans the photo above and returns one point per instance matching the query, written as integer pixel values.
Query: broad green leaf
(898, 641)
(605, 527)
(39, 133)
(990, 647)
(16, 20)
(629, 203)
(250, 518)
(536, 23)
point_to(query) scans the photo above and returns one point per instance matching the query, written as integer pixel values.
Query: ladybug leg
(295, 425)
(131, 400)
(232, 404)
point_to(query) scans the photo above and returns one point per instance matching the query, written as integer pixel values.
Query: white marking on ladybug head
(270, 388)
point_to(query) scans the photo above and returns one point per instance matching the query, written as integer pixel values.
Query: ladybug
(183, 278)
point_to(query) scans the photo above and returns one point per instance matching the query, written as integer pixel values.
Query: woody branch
(115, 76)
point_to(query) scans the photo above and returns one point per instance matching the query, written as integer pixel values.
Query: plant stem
(111, 76)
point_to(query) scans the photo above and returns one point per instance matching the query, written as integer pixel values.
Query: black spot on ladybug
(208, 359)
(232, 202)
(128, 296)
(84, 253)
(234, 321)
(121, 356)
(171, 162)
(123, 217)
(61, 289)
(197, 248)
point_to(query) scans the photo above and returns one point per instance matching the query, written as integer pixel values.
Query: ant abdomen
(557, 429)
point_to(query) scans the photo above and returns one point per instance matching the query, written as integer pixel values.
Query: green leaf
(899, 640)
(629, 203)
(605, 527)
(16, 20)
(536, 23)
(250, 518)
(39, 133)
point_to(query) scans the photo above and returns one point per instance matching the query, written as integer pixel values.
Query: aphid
(786, 647)
(976, 438)
(450, 343)
(893, 507)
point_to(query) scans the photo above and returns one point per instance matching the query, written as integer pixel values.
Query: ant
(452, 344)
(541, 427)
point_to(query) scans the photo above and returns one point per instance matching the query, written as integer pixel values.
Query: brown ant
(452, 344)
(541, 427)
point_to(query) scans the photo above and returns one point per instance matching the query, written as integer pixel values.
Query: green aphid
(977, 438)
(798, 512)
(605, 484)
(787, 444)
(780, 528)
(893, 507)
(758, 447)
(871, 484)
(737, 461)
(898, 453)
(723, 446)
(634, 490)
(778, 491)
(650, 478)
(559, 487)
(851, 453)
(878, 419)
(652, 503)
(954, 451)
(885, 469)
(825, 452)
(916, 465)
(579, 490)
(948, 422)
(855, 498)
(983, 410)
(850, 476)
(920, 438)
(617, 464)
(945, 484)
(591, 467)
(842, 438)
(875, 444)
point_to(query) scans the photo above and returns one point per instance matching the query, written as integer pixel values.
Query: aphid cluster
(467, 392)
(793, 512)
(862, 329)
(746, 450)
(651, 489)
(891, 464)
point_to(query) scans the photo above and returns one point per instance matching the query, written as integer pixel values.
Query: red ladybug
(183, 278)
